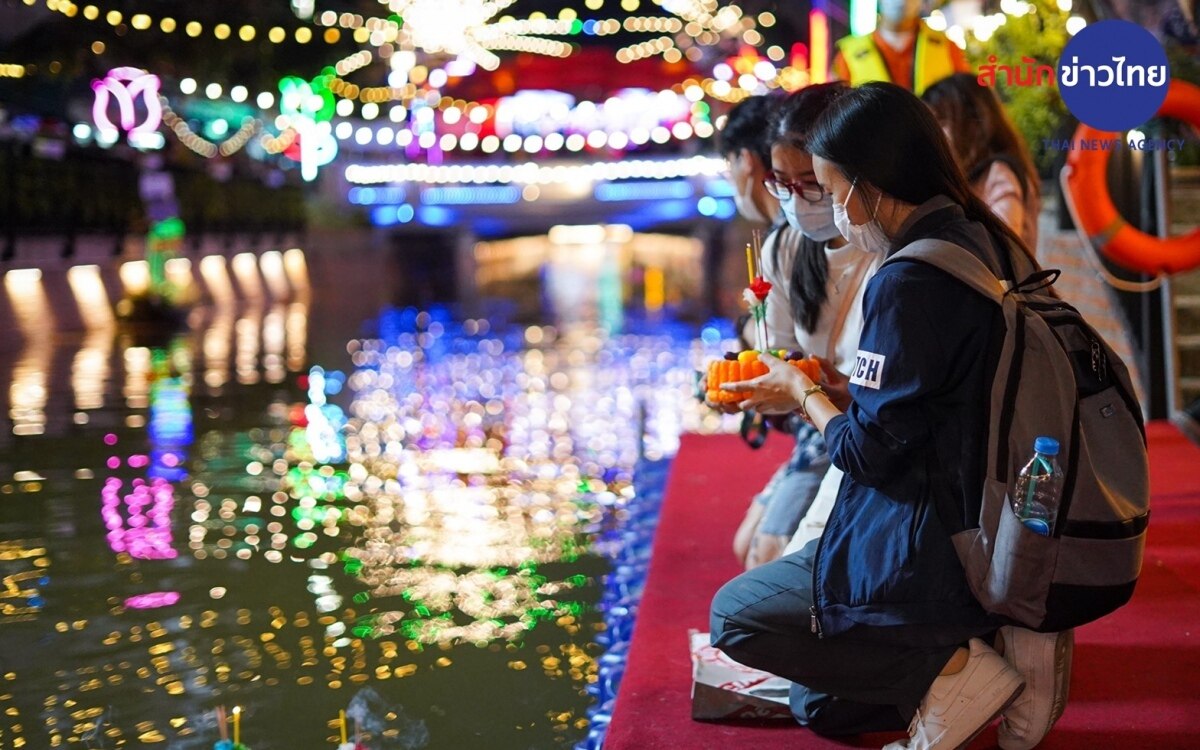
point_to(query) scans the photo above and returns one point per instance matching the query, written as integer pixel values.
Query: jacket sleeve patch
(868, 369)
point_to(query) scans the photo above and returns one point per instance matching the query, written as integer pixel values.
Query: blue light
(383, 216)
(466, 196)
(651, 214)
(726, 209)
(367, 196)
(710, 335)
(643, 190)
(436, 216)
(707, 206)
(386, 216)
(719, 188)
(589, 27)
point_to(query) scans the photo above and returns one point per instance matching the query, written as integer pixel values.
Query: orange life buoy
(1087, 182)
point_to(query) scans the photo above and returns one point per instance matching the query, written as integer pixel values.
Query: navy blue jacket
(913, 447)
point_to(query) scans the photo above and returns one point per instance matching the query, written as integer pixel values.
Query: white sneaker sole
(1063, 649)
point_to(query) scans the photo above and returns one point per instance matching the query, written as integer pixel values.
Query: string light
(531, 174)
(643, 50)
(201, 145)
(145, 22)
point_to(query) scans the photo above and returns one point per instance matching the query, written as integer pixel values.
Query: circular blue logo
(1113, 75)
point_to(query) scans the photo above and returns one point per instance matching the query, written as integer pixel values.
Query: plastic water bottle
(1039, 488)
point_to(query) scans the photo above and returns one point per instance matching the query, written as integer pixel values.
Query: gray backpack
(1056, 377)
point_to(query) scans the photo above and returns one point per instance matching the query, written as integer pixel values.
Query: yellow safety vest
(931, 60)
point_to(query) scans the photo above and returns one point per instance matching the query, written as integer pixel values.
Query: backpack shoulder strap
(958, 262)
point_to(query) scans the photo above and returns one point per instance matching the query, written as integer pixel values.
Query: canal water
(301, 508)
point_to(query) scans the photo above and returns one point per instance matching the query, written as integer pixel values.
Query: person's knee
(724, 628)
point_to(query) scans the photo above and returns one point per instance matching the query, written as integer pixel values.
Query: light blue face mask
(814, 220)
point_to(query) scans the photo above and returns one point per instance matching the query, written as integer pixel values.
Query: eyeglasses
(783, 189)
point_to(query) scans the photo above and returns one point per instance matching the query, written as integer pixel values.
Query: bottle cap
(1047, 446)
(1037, 525)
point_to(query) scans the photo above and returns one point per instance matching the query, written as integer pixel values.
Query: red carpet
(1137, 673)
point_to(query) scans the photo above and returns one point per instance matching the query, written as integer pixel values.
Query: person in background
(879, 617)
(775, 511)
(902, 50)
(745, 150)
(990, 151)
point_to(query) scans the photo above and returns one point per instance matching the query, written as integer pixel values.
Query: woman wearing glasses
(817, 292)
(814, 306)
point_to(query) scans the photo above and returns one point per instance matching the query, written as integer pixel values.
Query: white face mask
(869, 236)
(744, 201)
(815, 220)
(743, 194)
(899, 10)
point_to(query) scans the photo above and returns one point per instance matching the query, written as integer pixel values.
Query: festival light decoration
(818, 24)
(464, 28)
(125, 86)
(201, 145)
(535, 174)
(307, 135)
(143, 22)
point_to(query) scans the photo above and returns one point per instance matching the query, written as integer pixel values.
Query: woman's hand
(836, 385)
(724, 408)
(777, 391)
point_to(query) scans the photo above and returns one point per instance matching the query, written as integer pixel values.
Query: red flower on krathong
(761, 288)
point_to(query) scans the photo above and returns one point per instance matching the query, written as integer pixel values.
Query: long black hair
(881, 134)
(981, 133)
(808, 284)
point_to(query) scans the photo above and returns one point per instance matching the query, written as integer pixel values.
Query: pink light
(110, 439)
(125, 85)
(153, 601)
(144, 529)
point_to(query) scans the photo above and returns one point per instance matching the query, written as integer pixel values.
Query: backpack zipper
(1099, 362)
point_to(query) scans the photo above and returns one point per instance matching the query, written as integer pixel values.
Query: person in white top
(775, 511)
(815, 304)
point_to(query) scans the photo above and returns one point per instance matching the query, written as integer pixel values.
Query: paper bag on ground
(724, 689)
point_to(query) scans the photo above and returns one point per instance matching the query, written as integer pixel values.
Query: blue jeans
(790, 493)
(842, 685)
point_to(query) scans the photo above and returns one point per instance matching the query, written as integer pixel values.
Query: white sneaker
(1044, 660)
(960, 706)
